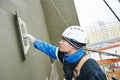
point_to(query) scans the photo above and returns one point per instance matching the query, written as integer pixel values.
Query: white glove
(29, 37)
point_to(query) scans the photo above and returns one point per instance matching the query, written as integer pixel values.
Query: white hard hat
(75, 35)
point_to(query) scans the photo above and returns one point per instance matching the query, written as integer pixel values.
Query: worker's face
(65, 46)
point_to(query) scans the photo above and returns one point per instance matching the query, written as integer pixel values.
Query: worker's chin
(61, 50)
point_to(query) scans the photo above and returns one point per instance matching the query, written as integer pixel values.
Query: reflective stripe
(56, 53)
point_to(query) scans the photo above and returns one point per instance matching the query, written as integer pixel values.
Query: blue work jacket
(89, 71)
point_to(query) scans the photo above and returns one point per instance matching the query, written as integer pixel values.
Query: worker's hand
(29, 37)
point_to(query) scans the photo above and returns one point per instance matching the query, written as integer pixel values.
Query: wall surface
(12, 66)
(44, 19)
(59, 14)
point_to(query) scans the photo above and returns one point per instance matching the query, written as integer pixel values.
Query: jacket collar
(75, 56)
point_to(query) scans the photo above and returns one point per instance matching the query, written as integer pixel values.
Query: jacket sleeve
(46, 48)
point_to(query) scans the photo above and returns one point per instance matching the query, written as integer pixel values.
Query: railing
(111, 66)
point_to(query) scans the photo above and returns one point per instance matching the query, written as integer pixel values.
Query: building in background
(103, 30)
(98, 20)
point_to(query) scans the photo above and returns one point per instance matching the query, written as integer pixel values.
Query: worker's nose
(60, 42)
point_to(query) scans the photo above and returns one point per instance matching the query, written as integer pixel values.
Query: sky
(95, 10)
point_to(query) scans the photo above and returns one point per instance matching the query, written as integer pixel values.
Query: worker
(70, 52)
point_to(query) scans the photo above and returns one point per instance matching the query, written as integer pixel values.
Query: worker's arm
(48, 49)
(45, 47)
